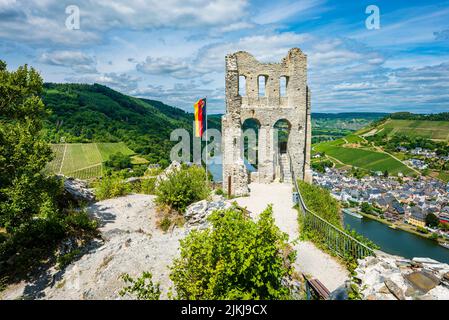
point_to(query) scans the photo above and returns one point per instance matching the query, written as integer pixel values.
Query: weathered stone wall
(295, 107)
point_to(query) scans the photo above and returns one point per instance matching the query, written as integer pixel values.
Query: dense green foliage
(182, 188)
(118, 161)
(432, 220)
(392, 142)
(444, 116)
(321, 202)
(320, 166)
(142, 288)
(236, 259)
(33, 213)
(111, 186)
(24, 191)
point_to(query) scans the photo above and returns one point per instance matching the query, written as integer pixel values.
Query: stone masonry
(294, 107)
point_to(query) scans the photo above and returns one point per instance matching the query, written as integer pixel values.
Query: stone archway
(267, 106)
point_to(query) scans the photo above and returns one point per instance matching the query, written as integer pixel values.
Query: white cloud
(237, 26)
(76, 60)
(266, 48)
(177, 68)
(119, 81)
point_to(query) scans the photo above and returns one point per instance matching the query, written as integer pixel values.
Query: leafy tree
(23, 153)
(235, 259)
(366, 208)
(432, 220)
(33, 211)
(118, 161)
(182, 188)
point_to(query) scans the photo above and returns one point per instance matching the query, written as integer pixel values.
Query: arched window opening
(282, 131)
(242, 86)
(283, 82)
(262, 81)
(250, 129)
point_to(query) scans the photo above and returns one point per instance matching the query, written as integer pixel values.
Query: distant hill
(84, 113)
(429, 129)
(444, 116)
(349, 115)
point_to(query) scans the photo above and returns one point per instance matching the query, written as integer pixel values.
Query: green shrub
(143, 288)
(236, 259)
(77, 222)
(65, 259)
(165, 223)
(111, 187)
(321, 202)
(148, 186)
(422, 230)
(182, 188)
(118, 161)
(220, 192)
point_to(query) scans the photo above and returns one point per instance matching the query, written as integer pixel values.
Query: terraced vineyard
(364, 158)
(436, 130)
(84, 160)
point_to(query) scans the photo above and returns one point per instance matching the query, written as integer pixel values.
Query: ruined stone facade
(294, 106)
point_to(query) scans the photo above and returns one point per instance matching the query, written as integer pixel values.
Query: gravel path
(132, 244)
(310, 259)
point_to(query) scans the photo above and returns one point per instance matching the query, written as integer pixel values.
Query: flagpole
(207, 151)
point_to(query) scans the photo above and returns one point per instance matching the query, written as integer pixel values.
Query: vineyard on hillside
(83, 160)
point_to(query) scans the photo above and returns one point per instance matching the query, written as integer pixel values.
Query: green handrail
(337, 240)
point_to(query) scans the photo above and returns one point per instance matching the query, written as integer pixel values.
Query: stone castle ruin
(266, 93)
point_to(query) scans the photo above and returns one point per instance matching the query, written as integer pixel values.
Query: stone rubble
(196, 214)
(174, 166)
(387, 277)
(78, 190)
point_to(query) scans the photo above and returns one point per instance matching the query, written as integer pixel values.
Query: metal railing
(336, 240)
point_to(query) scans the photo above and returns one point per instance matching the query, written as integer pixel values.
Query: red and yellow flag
(200, 117)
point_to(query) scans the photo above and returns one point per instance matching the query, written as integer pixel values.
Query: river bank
(397, 241)
(402, 226)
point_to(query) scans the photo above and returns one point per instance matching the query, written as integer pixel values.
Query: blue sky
(173, 50)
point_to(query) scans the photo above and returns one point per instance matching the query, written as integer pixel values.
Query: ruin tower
(291, 104)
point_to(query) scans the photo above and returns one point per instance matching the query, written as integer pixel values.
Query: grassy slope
(362, 158)
(438, 130)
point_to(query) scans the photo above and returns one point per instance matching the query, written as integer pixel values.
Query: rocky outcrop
(78, 190)
(174, 166)
(196, 214)
(386, 277)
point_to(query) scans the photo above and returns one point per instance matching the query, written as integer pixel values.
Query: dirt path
(310, 259)
(132, 244)
(63, 158)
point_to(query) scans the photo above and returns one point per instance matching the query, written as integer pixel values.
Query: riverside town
(224, 158)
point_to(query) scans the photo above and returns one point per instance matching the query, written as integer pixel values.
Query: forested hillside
(95, 113)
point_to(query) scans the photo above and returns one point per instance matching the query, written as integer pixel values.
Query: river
(389, 240)
(396, 241)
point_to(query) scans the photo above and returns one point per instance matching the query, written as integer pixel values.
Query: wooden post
(229, 187)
